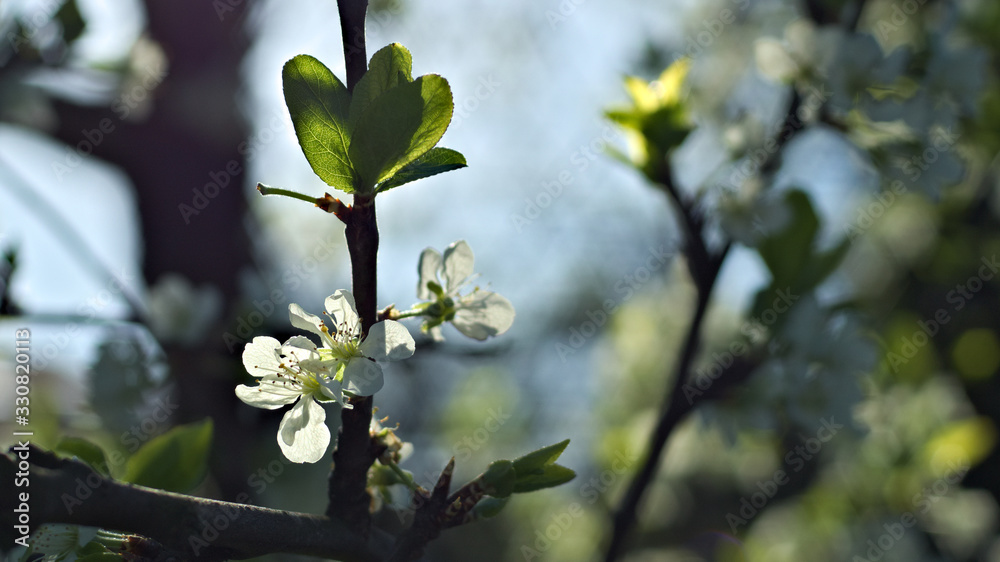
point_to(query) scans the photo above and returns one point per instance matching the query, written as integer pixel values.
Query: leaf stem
(406, 477)
(268, 190)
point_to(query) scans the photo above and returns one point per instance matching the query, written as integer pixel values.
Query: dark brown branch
(352, 28)
(356, 451)
(430, 510)
(68, 491)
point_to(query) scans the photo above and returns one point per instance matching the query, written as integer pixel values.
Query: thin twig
(54, 219)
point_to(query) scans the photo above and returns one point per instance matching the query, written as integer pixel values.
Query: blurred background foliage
(868, 427)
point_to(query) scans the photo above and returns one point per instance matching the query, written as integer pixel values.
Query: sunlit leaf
(499, 479)
(390, 66)
(176, 461)
(536, 460)
(85, 451)
(435, 161)
(318, 103)
(400, 126)
(548, 476)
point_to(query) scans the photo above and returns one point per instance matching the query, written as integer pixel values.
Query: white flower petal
(303, 435)
(299, 349)
(340, 306)
(304, 320)
(266, 396)
(427, 267)
(774, 61)
(334, 391)
(300, 342)
(435, 334)
(483, 314)
(362, 377)
(458, 263)
(324, 367)
(260, 357)
(388, 341)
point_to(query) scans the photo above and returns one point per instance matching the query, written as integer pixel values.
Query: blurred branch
(704, 268)
(356, 451)
(68, 491)
(51, 217)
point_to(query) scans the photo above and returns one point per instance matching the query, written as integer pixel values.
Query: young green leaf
(319, 104)
(175, 461)
(434, 161)
(390, 66)
(398, 127)
(536, 460)
(489, 507)
(548, 476)
(499, 479)
(85, 451)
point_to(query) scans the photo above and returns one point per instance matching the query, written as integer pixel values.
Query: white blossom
(479, 314)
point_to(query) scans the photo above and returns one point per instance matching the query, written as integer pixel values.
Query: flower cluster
(299, 372)
(345, 364)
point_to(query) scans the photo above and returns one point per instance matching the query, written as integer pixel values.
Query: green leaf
(822, 265)
(536, 460)
(85, 451)
(319, 103)
(71, 20)
(390, 66)
(176, 461)
(499, 479)
(489, 507)
(785, 252)
(398, 127)
(548, 476)
(434, 161)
